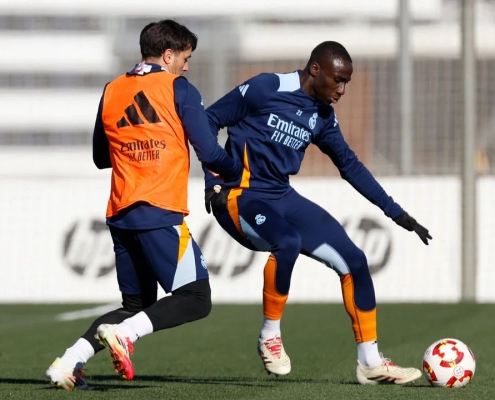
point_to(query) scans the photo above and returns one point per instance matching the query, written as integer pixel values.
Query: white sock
(79, 354)
(270, 328)
(136, 327)
(368, 354)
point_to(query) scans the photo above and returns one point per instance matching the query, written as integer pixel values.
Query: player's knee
(204, 306)
(290, 246)
(199, 298)
(203, 298)
(137, 302)
(357, 262)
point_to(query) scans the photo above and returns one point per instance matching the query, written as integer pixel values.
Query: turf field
(216, 358)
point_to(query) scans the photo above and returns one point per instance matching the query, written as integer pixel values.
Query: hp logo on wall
(88, 248)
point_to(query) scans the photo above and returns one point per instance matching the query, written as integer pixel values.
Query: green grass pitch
(216, 358)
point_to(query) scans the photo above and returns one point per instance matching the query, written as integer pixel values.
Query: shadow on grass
(407, 385)
(217, 380)
(115, 383)
(100, 387)
(16, 381)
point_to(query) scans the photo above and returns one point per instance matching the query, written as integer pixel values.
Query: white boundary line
(86, 313)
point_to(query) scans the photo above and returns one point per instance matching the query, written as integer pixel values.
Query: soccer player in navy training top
(271, 120)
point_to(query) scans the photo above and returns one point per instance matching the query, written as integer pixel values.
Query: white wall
(51, 223)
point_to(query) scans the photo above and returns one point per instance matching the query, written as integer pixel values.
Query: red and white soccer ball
(448, 363)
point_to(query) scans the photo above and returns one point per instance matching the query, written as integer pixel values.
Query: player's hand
(410, 224)
(216, 200)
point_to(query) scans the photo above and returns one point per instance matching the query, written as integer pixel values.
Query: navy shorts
(167, 256)
(262, 224)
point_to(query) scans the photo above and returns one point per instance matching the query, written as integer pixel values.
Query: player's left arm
(332, 142)
(101, 146)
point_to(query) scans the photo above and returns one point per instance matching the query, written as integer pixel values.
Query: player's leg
(180, 269)
(186, 304)
(324, 239)
(67, 371)
(139, 290)
(270, 331)
(138, 284)
(259, 222)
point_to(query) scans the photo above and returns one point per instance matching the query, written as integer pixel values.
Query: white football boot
(120, 348)
(66, 377)
(274, 357)
(388, 372)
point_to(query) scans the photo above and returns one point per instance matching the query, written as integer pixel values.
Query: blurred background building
(57, 56)
(417, 113)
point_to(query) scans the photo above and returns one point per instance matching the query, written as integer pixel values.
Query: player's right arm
(101, 149)
(245, 99)
(241, 101)
(189, 106)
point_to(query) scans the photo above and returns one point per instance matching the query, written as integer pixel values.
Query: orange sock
(363, 322)
(273, 301)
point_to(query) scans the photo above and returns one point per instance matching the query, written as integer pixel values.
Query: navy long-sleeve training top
(271, 121)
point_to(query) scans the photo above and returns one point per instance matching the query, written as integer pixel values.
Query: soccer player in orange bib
(145, 119)
(271, 120)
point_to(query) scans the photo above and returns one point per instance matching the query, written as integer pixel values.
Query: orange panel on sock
(363, 322)
(273, 301)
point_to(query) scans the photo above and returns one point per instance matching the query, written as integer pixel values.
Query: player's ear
(314, 69)
(167, 56)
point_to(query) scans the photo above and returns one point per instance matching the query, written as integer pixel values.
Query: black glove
(216, 200)
(410, 224)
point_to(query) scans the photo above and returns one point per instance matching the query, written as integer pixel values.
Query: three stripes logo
(243, 89)
(132, 117)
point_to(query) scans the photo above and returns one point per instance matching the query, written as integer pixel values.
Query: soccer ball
(448, 363)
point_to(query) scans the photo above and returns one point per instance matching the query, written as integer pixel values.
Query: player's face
(177, 63)
(330, 80)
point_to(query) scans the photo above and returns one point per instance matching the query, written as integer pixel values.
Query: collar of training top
(143, 68)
